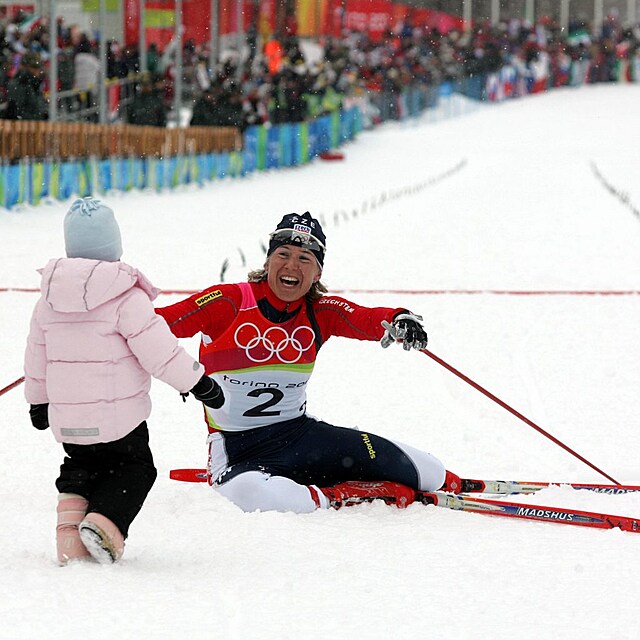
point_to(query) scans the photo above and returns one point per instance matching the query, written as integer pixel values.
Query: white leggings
(258, 491)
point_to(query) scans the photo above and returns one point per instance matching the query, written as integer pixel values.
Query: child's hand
(39, 414)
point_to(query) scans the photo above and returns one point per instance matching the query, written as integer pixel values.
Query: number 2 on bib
(260, 411)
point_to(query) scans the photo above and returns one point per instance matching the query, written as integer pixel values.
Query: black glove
(39, 414)
(406, 328)
(209, 392)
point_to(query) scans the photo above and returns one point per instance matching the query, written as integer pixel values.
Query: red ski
(540, 513)
(558, 515)
(189, 475)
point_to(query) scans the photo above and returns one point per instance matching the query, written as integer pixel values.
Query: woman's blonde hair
(317, 288)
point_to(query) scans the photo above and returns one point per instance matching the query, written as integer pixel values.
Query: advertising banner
(369, 16)
(131, 17)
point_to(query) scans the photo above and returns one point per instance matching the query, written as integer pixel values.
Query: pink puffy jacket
(94, 343)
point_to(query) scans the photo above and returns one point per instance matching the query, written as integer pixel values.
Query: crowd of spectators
(278, 83)
(25, 45)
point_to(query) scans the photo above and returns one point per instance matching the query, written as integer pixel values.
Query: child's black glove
(39, 414)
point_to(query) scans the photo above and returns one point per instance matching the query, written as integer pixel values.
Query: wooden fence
(62, 141)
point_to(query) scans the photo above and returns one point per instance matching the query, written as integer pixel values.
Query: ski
(494, 487)
(557, 515)
(511, 487)
(462, 502)
(188, 475)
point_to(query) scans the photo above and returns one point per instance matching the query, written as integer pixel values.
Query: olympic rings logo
(274, 342)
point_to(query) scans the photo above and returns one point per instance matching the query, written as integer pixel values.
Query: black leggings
(115, 477)
(310, 451)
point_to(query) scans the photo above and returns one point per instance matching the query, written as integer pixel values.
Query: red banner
(227, 16)
(374, 17)
(131, 16)
(196, 19)
(10, 11)
(443, 22)
(369, 16)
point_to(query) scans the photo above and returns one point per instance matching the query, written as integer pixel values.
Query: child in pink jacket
(94, 343)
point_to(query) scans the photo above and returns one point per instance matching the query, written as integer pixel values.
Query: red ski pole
(15, 383)
(526, 420)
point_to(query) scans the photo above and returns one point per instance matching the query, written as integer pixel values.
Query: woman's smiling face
(291, 272)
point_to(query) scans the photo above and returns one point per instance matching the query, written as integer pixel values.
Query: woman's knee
(429, 469)
(257, 491)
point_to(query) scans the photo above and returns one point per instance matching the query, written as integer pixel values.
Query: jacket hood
(72, 285)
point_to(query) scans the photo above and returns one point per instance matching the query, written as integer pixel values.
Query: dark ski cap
(299, 230)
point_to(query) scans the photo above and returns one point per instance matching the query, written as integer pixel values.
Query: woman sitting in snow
(259, 342)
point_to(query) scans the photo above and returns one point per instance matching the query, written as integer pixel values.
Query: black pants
(311, 451)
(115, 477)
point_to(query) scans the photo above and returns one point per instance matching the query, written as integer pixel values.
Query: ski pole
(15, 383)
(526, 420)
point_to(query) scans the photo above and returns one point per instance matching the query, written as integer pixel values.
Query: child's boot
(71, 510)
(102, 538)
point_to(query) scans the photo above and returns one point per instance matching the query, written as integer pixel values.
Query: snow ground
(505, 198)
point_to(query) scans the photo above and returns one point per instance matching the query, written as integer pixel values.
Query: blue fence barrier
(30, 181)
(270, 147)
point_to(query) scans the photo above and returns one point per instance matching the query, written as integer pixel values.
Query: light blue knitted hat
(91, 231)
